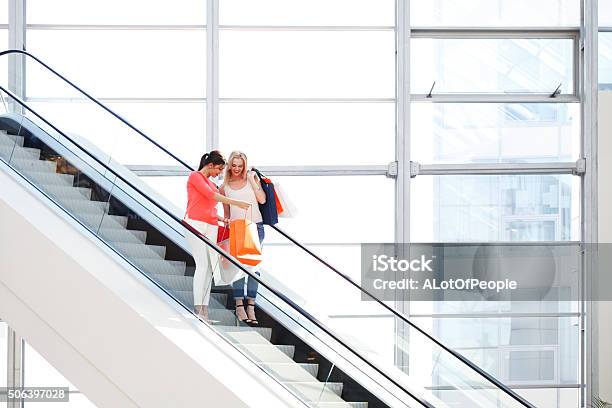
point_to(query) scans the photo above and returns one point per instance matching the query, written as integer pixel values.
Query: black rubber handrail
(221, 252)
(398, 315)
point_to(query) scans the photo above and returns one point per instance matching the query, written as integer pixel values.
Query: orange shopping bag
(244, 242)
(279, 206)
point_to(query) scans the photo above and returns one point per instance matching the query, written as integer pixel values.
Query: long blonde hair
(236, 154)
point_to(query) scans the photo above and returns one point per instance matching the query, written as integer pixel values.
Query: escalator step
(161, 267)
(82, 206)
(228, 317)
(173, 282)
(72, 193)
(247, 337)
(266, 332)
(140, 250)
(64, 180)
(10, 140)
(269, 353)
(217, 300)
(292, 372)
(222, 317)
(103, 221)
(10, 153)
(318, 391)
(185, 297)
(34, 165)
(120, 235)
(220, 298)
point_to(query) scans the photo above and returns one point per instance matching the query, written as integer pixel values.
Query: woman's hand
(251, 177)
(242, 204)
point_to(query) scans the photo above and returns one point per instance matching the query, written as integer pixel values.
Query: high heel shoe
(246, 320)
(252, 322)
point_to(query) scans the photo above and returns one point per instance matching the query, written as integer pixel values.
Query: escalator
(317, 360)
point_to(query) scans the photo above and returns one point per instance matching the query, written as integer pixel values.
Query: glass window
(515, 349)
(192, 12)
(347, 259)
(4, 59)
(494, 133)
(532, 366)
(4, 5)
(491, 65)
(120, 63)
(495, 208)
(309, 133)
(171, 188)
(180, 127)
(605, 61)
(541, 397)
(495, 13)
(605, 13)
(332, 209)
(308, 13)
(551, 397)
(550, 304)
(307, 64)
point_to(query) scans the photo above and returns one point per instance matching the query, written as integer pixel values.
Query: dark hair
(215, 157)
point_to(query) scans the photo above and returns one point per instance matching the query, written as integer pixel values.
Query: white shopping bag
(289, 209)
(226, 273)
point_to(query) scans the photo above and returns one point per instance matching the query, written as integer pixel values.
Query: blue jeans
(251, 284)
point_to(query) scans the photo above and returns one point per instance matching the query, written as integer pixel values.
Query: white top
(247, 194)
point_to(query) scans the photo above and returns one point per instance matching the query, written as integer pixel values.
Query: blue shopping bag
(268, 210)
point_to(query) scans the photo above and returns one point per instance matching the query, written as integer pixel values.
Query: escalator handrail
(221, 252)
(394, 312)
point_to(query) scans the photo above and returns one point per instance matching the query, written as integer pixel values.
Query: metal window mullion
(17, 36)
(496, 169)
(212, 75)
(402, 158)
(494, 33)
(402, 131)
(126, 27)
(374, 170)
(589, 94)
(120, 99)
(307, 100)
(15, 364)
(578, 66)
(499, 315)
(514, 386)
(496, 98)
(228, 27)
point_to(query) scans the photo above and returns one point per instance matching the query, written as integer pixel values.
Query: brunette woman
(202, 199)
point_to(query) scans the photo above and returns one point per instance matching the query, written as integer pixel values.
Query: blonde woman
(240, 184)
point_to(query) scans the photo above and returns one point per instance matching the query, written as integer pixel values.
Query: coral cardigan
(201, 204)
